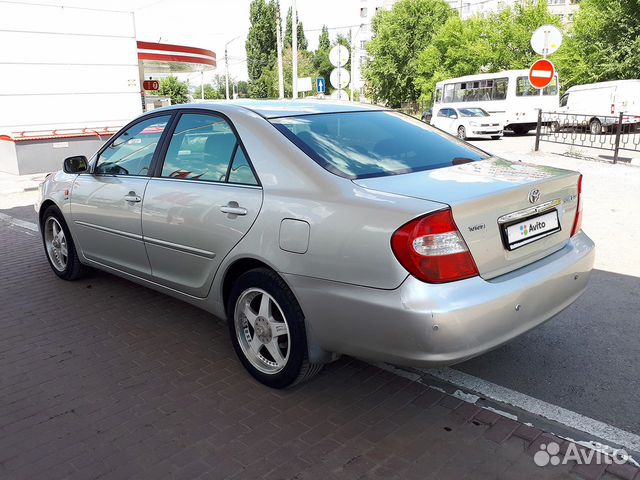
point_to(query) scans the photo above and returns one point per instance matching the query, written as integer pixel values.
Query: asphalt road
(587, 358)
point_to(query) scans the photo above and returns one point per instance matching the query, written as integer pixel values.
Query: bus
(506, 94)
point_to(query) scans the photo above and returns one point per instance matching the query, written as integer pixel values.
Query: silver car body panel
(329, 238)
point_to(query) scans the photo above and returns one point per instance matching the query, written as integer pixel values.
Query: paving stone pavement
(101, 378)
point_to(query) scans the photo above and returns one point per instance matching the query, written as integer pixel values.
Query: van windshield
(374, 143)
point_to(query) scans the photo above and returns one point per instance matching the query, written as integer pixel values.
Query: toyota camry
(318, 229)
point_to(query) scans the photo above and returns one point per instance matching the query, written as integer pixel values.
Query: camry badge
(534, 195)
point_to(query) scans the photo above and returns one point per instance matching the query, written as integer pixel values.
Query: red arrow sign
(541, 73)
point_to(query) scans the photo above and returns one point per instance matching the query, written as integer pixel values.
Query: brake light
(577, 223)
(432, 250)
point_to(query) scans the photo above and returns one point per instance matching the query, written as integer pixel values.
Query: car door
(452, 122)
(439, 120)
(106, 204)
(202, 200)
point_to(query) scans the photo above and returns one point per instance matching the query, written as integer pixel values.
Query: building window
(363, 12)
(556, 2)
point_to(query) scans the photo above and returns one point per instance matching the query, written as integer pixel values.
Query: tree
(174, 88)
(499, 41)
(261, 44)
(399, 35)
(288, 34)
(603, 45)
(321, 62)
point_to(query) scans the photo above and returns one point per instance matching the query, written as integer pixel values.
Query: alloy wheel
(262, 331)
(56, 242)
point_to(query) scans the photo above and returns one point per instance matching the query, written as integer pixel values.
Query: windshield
(372, 144)
(473, 112)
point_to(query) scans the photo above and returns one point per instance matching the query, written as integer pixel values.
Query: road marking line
(538, 407)
(19, 223)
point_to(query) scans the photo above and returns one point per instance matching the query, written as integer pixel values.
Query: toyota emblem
(534, 195)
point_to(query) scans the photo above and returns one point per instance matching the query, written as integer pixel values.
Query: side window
(438, 95)
(564, 100)
(453, 113)
(500, 89)
(201, 148)
(131, 152)
(443, 112)
(240, 171)
(525, 89)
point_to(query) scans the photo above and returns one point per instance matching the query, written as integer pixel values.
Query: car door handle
(233, 209)
(132, 198)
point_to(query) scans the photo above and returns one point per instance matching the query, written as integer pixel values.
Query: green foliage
(321, 62)
(261, 45)
(399, 36)
(499, 41)
(604, 44)
(288, 34)
(174, 88)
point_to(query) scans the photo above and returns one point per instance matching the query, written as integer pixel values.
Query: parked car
(471, 122)
(597, 106)
(318, 229)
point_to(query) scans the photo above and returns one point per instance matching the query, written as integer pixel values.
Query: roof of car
(290, 108)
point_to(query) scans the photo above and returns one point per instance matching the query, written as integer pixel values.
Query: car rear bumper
(421, 324)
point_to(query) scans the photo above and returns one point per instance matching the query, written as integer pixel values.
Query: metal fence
(612, 132)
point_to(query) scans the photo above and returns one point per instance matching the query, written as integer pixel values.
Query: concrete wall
(42, 156)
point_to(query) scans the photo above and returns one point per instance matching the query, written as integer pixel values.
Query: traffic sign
(151, 85)
(320, 86)
(340, 95)
(339, 78)
(339, 56)
(541, 73)
(546, 40)
(304, 84)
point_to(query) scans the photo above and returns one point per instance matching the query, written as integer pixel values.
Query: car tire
(59, 246)
(462, 133)
(554, 127)
(273, 348)
(519, 130)
(496, 137)
(595, 126)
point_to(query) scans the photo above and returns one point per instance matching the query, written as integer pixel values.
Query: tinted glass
(444, 112)
(473, 112)
(552, 89)
(132, 151)
(201, 148)
(371, 144)
(240, 170)
(524, 88)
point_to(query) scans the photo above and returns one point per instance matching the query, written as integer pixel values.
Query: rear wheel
(595, 127)
(267, 330)
(59, 246)
(462, 133)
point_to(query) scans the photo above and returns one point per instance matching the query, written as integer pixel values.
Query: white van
(598, 105)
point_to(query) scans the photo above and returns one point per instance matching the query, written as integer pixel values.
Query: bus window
(438, 95)
(500, 89)
(524, 88)
(552, 89)
(459, 92)
(448, 93)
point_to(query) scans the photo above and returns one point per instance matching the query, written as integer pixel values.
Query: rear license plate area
(522, 232)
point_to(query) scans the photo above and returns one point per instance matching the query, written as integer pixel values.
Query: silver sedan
(318, 229)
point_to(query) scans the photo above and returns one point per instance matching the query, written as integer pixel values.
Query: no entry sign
(541, 73)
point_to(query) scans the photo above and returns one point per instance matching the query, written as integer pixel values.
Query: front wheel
(554, 127)
(59, 247)
(267, 330)
(462, 133)
(520, 129)
(595, 127)
(496, 137)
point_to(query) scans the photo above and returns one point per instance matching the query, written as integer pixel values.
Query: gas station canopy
(167, 58)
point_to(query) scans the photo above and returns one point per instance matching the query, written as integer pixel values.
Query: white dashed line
(19, 223)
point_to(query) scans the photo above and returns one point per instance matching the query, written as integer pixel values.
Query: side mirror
(76, 164)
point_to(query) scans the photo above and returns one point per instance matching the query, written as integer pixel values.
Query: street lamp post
(226, 66)
(353, 59)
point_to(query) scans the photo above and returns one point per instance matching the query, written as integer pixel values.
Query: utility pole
(294, 48)
(202, 84)
(279, 49)
(226, 65)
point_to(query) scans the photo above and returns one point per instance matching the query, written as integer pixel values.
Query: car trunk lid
(487, 197)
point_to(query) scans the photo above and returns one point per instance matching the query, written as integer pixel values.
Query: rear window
(374, 144)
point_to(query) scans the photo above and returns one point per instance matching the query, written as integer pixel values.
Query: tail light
(577, 223)
(432, 250)
(613, 109)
